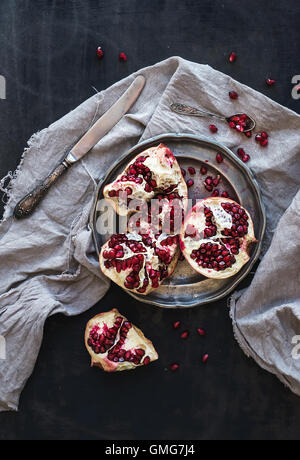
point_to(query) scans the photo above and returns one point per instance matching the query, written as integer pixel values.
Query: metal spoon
(183, 109)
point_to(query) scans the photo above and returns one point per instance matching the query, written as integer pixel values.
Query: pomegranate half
(115, 344)
(216, 236)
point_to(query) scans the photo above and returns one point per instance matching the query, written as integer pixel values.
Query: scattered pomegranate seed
(192, 171)
(233, 95)
(123, 57)
(174, 367)
(246, 158)
(232, 57)
(203, 170)
(205, 359)
(219, 158)
(270, 82)
(176, 325)
(215, 193)
(224, 195)
(213, 128)
(201, 332)
(100, 52)
(190, 183)
(241, 152)
(185, 335)
(183, 172)
(264, 142)
(264, 135)
(258, 138)
(248, 134)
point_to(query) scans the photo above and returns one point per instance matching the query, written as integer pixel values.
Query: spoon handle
(183, 109)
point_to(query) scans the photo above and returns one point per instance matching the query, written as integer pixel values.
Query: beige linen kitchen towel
(48, 263)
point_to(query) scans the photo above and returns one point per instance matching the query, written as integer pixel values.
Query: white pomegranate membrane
(116, 344)
(216, 236)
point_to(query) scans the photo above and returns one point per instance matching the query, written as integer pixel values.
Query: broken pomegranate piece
(220, 245)
(153, 172)
(115, 344)
(140, 262)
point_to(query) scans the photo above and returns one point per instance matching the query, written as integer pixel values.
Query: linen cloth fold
(49, 264)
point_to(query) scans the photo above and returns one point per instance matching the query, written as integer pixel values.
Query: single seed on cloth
(213, 128)
(233, 95)
(115, 344)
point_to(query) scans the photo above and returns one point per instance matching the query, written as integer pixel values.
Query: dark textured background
(47, 54)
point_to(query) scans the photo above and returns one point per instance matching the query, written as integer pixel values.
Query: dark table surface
(47, 55)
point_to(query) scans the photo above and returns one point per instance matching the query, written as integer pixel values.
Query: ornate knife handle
(27, 205)
(184, 109)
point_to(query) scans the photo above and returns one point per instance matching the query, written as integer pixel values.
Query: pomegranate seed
(176, 325)
(248, 133)
(258, 138)
(213, 128)
(174, 367)
(233, 95)
(219, 158)
(270, 82)
(192, 171)
(232, 57)
(201, 332)
(224, 194)
(190, 183)
(100, 52)
(264, 142)
(246, 158)
(183, 172)
(241, 152)
(264, 135)
(205, 359)
(185, 335)
(112, 193)
(232, 124)
(203, 170)
(146, 361)
(123, 57)
(215, 193)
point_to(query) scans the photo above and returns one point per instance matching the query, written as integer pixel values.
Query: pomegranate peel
(115, 344)
(218, 246)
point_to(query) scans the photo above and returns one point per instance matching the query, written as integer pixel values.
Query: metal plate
(186, 288)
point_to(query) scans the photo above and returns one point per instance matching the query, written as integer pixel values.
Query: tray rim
(213, 144)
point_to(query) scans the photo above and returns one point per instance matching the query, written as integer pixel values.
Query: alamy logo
(296, 89)
(2, 347)
(296, 349)
(2, 87)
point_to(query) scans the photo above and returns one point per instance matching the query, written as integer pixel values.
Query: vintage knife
(27, 205)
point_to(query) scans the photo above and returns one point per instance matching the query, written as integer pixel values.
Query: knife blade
(28, 204)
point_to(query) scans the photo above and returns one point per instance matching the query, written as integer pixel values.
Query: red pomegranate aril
(174, 367)
(264, 135)
(146, 360)
(219, 158)
(241, 152)
(248, 133)
(192, 170)
(232, 124)
(205, 358)
(264, 142)
(239, 128)
(123, 57)
(183, 172)
(258, 138)
(246, 158)
(176, 324)
(100, 52)
(216, 180)
(201, 332)
(128, 190)
(112, 193)
(270, 82)
(233, 95)
(213, 128)
(224, 194)
(209, 188)
(185, 335)
(190, 183)
(203, 170)
(232, 57)
(215, 193)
